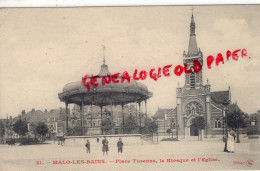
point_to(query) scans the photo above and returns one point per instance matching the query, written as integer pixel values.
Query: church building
(194, 99)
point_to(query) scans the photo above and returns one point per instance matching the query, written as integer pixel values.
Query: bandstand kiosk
(121, 93)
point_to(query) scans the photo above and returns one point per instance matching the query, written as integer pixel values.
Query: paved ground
(180, 155)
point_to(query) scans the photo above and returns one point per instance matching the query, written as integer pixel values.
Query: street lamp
(177, 128)
(225, 104)
(237, 118)
(63, 130)
(165, 118)
(185, 118)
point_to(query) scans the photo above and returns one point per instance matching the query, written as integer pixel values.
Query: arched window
(217, 124)
(173, 125)
(192, 80)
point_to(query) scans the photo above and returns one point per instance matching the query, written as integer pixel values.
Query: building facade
(195, 99)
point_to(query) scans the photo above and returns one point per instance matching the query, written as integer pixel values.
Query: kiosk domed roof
(122, 92)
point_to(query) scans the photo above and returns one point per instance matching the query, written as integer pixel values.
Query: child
(120, 146)
(105, 146)
(88, 146)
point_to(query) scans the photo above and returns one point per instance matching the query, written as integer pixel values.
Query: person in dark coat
(120, 146)
(105, 146)
(88, 146)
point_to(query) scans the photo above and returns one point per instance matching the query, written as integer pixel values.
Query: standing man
(120, 146)
(105, 146)
(88, 146)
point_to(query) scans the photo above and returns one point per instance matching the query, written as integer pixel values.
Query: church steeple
(193, 80)
(193, 49)
(192, 26)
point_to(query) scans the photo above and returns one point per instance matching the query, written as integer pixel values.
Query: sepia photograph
(130, 88)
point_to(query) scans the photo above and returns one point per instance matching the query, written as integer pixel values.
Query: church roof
(193, 48)
(220, 96)
(233, 107)
(161, 112)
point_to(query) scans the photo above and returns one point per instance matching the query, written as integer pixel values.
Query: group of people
(105, 148)
(230, 141)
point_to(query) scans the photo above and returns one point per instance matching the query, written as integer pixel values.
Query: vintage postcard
(130, 88)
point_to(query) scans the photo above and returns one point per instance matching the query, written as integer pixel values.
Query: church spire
(193, 80)
(193, 49)
(192, 26)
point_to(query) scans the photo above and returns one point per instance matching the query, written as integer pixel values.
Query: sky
(42, 49)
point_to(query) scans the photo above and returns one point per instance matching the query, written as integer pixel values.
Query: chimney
(33, 110)
(23, 112)
(45, 111)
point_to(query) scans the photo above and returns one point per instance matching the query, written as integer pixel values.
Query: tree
(42, 129)
(2, 129)
(150, 126)
(77, 131)
(236, 119)
(20, 127)
(33, 129)
(199, 123)
(130, 124)
(107, 125)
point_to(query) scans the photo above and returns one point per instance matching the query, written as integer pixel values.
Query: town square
(50, 156)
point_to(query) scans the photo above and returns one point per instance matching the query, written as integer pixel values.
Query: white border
(80, 3)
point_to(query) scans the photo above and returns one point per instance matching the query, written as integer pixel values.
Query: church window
(192, 80)
(172, 125)
(193, 108)
(217, 124)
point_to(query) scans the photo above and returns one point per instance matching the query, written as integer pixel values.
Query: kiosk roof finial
(104, 58)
